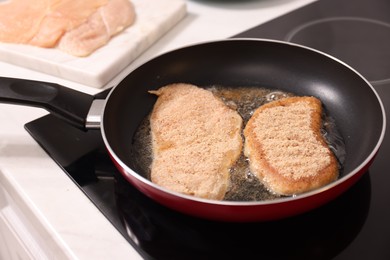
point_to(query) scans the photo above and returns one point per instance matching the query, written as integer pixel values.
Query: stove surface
(356, 32)
(354, 226)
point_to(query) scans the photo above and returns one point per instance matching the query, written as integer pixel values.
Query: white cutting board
(153, 19)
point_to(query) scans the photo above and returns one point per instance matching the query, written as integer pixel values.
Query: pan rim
(282, 200)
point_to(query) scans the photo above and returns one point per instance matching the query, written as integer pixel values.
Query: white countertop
(70, 223)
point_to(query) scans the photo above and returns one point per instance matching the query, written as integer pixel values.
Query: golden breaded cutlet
(285, 147)
(196, 139)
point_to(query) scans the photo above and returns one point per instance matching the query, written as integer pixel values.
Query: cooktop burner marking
(360, 42)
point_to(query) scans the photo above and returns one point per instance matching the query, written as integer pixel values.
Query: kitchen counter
(45, 211)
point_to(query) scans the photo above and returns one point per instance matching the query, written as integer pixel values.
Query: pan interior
(347, 97)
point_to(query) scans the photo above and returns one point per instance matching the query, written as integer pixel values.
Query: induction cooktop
(353, 226)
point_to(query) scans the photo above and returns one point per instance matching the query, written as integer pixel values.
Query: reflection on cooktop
(320, 234)
(354, 40)
(356, 32)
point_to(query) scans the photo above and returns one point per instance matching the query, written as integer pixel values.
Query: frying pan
(346, 95)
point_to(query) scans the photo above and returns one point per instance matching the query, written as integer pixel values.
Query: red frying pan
(347, 96)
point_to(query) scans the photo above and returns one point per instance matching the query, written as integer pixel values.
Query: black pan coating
(348, 98)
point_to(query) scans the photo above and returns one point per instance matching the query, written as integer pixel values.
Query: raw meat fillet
(78, 27)
(43, 22)
(63, 16)
(20, 20)
(109, 20)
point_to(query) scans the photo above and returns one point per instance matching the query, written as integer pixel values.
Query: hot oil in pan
(245, 100)
(244, 186)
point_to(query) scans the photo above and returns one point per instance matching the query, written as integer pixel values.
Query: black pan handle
(66, 103)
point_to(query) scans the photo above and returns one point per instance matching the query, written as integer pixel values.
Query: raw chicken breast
(63, 16)
(43, 22)
(20, 19)
(109, 20)
(76, 26)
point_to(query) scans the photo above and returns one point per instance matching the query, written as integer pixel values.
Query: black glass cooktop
(354, 226)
